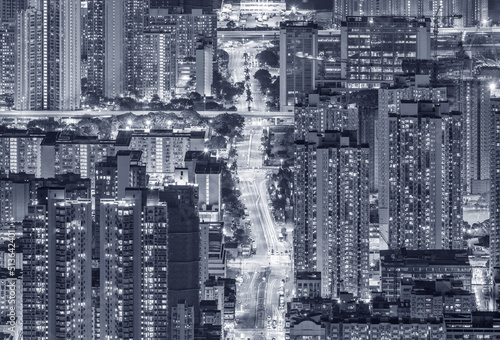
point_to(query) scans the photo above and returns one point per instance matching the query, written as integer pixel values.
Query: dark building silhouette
(184, 242)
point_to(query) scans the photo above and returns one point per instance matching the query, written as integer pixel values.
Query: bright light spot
(485, 22)
(294, 9)
(205, 150)
(148, 122)
(493, 86)
(129, 122)
(370, 21)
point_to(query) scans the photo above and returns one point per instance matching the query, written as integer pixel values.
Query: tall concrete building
(425, 196)
(114, 48)
(95, 27)
(136, 12)
(373, 48)
(184, 247)
(58, 272)
(9, 9)
(29, 90)
(298, 50)
(20, 151)
(204, 69)
(112, 177)
(331, 192)
(323, 113)
(495, 188)
(159, 75)
(389, 102)
(476, 108)
(186, 30)
(204, 169)
(7, 57)
(48, 56)
(133, 269)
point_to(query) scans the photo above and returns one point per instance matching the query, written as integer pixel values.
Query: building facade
(331, 189)
(48, 56)
(424, 210)
(298, 50)
(372, 48)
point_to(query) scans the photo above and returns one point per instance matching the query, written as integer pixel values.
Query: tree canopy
(228, 124)
(268, 57)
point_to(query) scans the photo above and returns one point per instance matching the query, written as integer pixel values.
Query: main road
(266, 274)
(236, 66)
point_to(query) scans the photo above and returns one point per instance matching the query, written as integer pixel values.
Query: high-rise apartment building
(48, 56)
(114, 48)
(186, 31)
(373, 48)
(136, 17)
(495, 187)
(133, 268)
(424, 178)
(112, 177)
(9, 9)
(58, 269)
(323, 113)
(298, 50)
(389, 102)
(20, 151)
(159, 67)
(476, 108)
(331, 192)
(29, 89)
(162, 150)
(95, 27)
(7, 57)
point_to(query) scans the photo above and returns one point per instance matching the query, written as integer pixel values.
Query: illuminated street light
(493, 86)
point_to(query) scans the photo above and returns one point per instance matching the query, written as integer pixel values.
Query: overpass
(270, 33)
(82, 113)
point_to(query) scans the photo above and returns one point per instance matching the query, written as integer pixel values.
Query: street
(267, 273)
(236, 50)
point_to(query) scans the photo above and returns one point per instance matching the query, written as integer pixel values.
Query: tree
(92, 99)
(269, 58)
(229, 125)
(213, 106)
(229, 195)
(195, 96)
(231, 25)
(217, 143)
(45, 124)
(180, 104)
(127, 103)
(264, 79)
(222, 55)
(156, 103)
